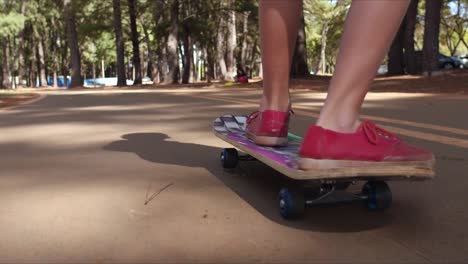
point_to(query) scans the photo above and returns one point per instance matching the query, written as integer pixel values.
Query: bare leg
(279, 22)
(368, 33)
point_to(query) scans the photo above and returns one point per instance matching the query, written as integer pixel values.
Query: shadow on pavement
(254, 182)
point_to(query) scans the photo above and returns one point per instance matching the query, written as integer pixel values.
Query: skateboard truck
(293, 200)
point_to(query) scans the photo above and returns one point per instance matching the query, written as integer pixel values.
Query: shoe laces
(373, 132)
(252, 116)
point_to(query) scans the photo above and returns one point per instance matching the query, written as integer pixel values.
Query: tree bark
(41, 61)
(395, 54)
(220, 51)
(54, 55)
(410, 26)
(323, 48)
(72, 40)
(231, 64)
(135, 41)
(64, 59)
(119, 42)
(299, 68)
(151, 68)
(94, 73)
(6, 69)
(245, 33)
(32, 65)
(1, 75)
(21, 49)
(431, 36)
(187, 58)
(194, 67)
(172, 74)
(103, 70)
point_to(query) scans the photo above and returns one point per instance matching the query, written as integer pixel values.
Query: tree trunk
(38, 66)
(64, 61)
(172, 75)
(253, 55)
(41, 61)
(194, 67)
(55, 57)
(119, 42)
(151, 69)
(103, 69)
(135, 41)
(162, 65)
(410, 26)
(431, 36)
(245, 33)
(94, 73)
(160, 59)
(1, 75)
(395, 54)
(21, 49)
(231, 65)
(72, 40)
(32, 66)
(188, 57)
(323, 48)
(220, 49)
(6, 70)
(299, 68)
(21, 59)
(208, 64)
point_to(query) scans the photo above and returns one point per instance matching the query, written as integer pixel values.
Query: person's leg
(368, 33)
(339, 139)
(279, 22)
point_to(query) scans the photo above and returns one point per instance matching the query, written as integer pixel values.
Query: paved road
(133, 176)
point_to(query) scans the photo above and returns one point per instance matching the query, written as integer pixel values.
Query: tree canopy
(170, 41)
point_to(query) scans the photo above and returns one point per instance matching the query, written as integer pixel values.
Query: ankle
(277, 105)
(342, 126)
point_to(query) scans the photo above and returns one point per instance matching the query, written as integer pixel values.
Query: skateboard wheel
(229, 158)
(378, 195)
(291, 202)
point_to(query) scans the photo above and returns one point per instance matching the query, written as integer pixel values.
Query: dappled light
(233, 131)
(78, 168)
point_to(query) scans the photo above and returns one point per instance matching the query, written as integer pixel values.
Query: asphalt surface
(134, 176)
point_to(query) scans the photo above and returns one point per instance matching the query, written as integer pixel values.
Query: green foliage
(324, 17)
(43, 20)
(454, 27)
(11, 24)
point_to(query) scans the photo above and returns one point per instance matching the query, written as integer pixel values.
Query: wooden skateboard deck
(231, 129)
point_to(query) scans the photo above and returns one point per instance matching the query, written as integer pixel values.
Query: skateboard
(311, 187)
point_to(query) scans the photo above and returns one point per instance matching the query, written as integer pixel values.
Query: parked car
(446, 62)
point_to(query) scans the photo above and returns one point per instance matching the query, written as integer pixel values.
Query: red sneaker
(268, 128)
(370, 144)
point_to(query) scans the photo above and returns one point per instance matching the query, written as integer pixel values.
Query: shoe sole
(268, 141)
(323, 164)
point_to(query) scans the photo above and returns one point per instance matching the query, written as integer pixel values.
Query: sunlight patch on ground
(66, 134)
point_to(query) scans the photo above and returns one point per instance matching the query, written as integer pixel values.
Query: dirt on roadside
(452, 82)
(14, 99)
